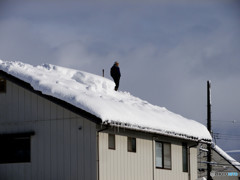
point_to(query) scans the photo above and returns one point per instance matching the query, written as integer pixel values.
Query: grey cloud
(19, 41)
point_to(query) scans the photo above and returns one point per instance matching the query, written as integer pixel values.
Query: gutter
(157, 132)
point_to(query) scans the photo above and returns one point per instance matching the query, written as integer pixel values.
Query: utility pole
(209, 126)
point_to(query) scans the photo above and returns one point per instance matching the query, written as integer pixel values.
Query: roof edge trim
(152, 131)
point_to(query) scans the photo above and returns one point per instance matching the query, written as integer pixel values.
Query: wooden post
(103, 72)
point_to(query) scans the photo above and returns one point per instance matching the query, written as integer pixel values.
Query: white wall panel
(59, 149)
(120, 164)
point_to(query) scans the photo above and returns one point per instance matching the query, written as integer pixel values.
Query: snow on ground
(95, 95)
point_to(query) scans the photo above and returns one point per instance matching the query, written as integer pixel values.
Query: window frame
(132, 144)
(163, 153)
(185, 151)
(114, 141)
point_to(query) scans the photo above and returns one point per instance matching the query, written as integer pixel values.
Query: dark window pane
(15, 149)
(2, 85)
(167, 156)
(129, 144)
(132, 144)
(111, 141)
(185, 157)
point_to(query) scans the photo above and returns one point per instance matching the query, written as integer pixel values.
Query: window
(163, 155)
(111, 141)
(185, 157)
(132, 144)
(15, 148)
(2, 85)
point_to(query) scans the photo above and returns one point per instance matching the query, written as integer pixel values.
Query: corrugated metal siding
(177, 167)
(193, 163)
(59, 150)
(119, 164)
(176, 172)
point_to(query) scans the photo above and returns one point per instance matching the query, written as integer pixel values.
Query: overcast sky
(167, 50)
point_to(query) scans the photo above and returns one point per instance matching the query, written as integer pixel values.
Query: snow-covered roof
(221, 152)
(96, 95)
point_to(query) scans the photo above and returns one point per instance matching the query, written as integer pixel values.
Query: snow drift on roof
(95, 95)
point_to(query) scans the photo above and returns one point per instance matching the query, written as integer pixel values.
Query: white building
(59, 123)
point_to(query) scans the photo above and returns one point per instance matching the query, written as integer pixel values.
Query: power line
(222, 136)
(226, 121)
(231, 134)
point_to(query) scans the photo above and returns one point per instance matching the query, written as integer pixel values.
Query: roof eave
(158, 132)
